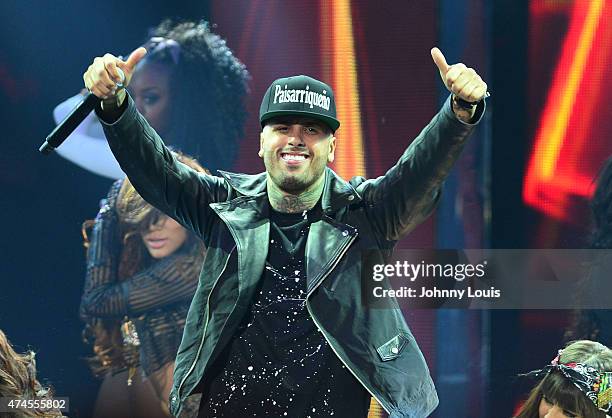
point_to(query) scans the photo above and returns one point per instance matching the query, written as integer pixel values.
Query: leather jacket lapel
(248, 221)
(327, 242)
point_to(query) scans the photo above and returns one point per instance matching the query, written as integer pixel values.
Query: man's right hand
(102, 76)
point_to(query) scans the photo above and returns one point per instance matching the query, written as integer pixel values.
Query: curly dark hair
(209, 86)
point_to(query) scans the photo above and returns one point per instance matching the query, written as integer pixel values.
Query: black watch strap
(463, 104)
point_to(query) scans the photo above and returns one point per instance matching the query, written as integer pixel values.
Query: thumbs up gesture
(460, 80)
(105, 73)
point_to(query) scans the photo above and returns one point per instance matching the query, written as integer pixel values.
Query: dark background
(45, 47)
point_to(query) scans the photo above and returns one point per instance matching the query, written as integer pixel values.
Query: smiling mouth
(291, 157)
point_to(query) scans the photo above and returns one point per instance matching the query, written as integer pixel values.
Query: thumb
(135, 58)
(440, 61)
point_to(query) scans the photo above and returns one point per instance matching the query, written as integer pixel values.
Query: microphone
(74, 119)
(69, 124)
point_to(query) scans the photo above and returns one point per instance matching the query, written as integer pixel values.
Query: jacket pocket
(393, 348)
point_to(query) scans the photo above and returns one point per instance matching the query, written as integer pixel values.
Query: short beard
(292, 185)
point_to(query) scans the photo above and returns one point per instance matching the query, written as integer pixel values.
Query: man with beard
(277, 327)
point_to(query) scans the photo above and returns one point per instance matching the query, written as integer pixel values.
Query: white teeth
(293, 157)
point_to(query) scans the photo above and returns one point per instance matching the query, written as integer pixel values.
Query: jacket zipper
(205, 324)
(314, 319)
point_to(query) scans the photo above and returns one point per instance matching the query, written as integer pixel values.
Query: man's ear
(260, 152)
(332, 149)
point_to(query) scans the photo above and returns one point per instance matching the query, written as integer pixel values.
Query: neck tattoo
(290, 203)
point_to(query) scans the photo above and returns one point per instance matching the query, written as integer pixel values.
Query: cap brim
(333, 123)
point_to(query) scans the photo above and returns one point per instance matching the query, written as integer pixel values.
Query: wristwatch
(464, 104)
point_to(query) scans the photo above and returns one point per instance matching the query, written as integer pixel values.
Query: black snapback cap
(299, 95)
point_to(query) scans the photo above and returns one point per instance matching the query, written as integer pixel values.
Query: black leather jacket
(230, 214)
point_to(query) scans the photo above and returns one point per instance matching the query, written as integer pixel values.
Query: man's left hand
(460, 80)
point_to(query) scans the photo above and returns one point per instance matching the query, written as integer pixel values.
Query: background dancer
(142, 272)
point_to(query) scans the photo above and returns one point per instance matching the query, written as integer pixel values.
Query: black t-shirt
(279, 364)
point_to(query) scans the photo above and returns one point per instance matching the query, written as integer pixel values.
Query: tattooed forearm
(463, 114)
